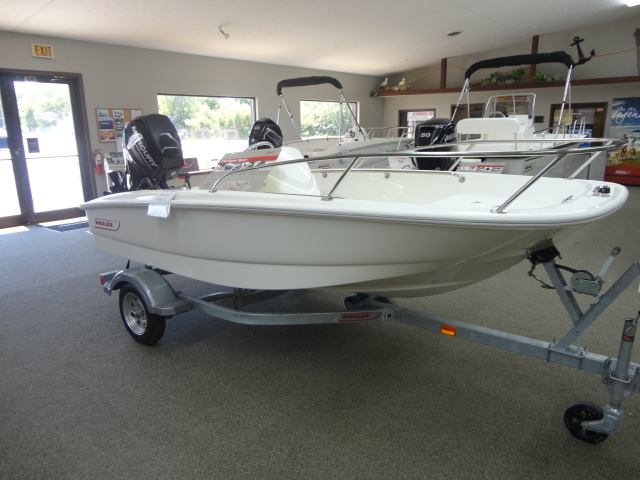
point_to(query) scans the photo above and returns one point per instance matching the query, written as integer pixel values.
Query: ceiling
(371, 37)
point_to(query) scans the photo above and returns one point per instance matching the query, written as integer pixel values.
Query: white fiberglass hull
(396, 233)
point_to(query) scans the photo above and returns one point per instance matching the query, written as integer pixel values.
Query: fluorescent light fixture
(631, 3)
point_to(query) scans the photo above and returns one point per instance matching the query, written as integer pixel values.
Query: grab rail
(558, 153)
(533, 180)
(460, 177)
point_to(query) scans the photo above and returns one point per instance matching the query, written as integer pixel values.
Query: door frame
(85, 156)
(598, 126)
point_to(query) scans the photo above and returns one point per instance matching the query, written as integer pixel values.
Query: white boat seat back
(490, 128)
(293, 179)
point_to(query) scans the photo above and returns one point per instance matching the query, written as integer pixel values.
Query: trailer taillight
(448, 330)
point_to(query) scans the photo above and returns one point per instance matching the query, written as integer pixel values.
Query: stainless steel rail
(558, 153)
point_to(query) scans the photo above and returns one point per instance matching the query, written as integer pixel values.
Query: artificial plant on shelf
(539, 77)
(496, 78)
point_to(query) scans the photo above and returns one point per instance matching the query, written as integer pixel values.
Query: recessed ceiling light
(631, 3)
(453, 34)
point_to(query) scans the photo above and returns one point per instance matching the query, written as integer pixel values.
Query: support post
(443, 73)
(534, 50)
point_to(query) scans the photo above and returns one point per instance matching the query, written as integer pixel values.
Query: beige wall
(604, 39)
(123, 77)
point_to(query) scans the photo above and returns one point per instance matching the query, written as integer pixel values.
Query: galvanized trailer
(147, 299)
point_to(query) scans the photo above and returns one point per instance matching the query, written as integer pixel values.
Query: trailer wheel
(584, 412)
(145, 327)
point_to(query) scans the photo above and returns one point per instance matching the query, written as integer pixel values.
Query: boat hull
(418, 240)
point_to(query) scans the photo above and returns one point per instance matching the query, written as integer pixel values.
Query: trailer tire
(145, 327)
(583, 412)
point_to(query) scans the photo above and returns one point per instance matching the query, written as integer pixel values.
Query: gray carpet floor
(79, 399)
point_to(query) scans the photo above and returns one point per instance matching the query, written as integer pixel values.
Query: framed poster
(591, 114)
(111, 122)
(623, 165)
(412, 118)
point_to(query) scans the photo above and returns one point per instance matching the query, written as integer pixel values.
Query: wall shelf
(513, 86)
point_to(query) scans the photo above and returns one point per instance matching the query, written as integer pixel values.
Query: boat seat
(490, 128)
(295, 179)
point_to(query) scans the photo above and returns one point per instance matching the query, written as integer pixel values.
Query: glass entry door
(9, 204)
(44, 166)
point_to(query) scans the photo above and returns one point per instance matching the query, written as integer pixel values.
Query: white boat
(400, 233)
(508, 122)
(354, 139)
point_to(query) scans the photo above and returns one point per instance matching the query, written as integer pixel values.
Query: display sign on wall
(111, 122)
(623, 165)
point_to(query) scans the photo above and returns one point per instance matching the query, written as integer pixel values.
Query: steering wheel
(495, 114)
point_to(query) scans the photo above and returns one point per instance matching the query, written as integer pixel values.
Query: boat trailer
(147, 299)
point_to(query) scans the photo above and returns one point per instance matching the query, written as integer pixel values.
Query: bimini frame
(515, 60)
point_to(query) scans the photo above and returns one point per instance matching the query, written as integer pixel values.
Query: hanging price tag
(160, 205)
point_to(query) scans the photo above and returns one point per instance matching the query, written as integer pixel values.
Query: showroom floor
(80, 399)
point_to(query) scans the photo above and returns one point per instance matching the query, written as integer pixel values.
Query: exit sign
(43, 51)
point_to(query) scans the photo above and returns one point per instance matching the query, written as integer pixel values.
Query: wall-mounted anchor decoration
(582, 59)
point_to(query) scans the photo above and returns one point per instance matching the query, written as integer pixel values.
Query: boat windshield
(512, 105)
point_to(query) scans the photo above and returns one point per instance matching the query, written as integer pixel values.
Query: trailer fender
(158, 294)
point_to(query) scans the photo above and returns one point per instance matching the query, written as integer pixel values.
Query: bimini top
(514, 60)
(306, 82)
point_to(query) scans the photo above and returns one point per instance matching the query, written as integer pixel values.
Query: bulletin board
(111, 122)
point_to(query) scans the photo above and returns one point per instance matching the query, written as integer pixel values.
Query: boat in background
(271, 223)
(354, 139)
(508, 123)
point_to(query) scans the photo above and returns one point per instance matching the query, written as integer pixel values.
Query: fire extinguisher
(99, 159)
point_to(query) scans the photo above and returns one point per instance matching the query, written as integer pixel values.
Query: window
(209, 127)
(326, 119)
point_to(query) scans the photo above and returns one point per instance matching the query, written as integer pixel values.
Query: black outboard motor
(265, 130)
(153, 152)
(433, 132)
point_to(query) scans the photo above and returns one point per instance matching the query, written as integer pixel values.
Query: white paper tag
(160, 204)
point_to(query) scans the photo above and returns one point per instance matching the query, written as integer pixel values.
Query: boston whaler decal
(360, 316)
(104, 224)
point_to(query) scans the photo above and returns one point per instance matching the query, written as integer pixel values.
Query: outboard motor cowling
(265, 130)
(434, 132)
(154, 151)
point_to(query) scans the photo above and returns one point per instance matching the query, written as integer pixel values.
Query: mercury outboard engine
(153, 152)
(433, 132)
(265, 131)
